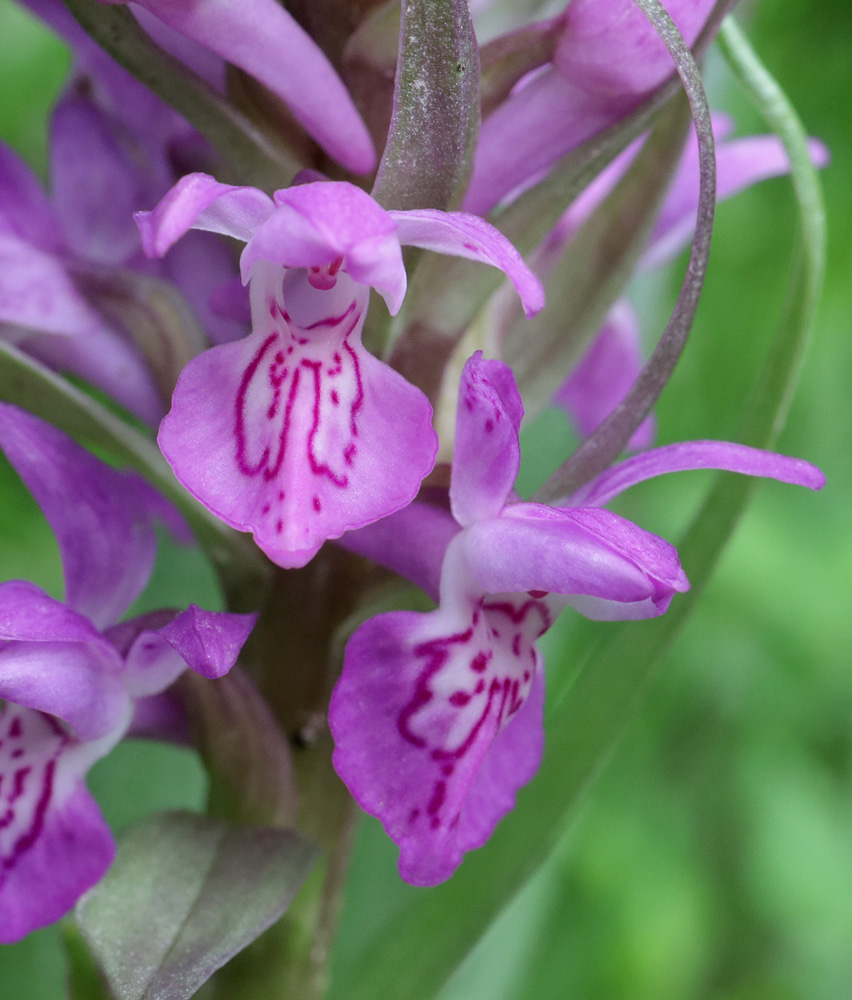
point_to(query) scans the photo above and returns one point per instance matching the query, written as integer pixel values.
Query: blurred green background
(713, 858)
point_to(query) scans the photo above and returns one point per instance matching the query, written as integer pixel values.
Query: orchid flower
(614, 359)
(297, 433)
(437, 717)
(608, 59)
(71, 681)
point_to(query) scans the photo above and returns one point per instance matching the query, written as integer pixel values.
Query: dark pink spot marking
(437, 800)
(489, 426)
(317, 504)
(265, 509)
(459, 698)
(279, 525)
(480, 687)
(335, 397)
(538, 593)
(516, 644)
(412, 816)
(16, 729)
(448, 769)
(480, 662)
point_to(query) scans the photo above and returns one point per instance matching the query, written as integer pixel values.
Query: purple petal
(55, 661)
(204, 269)
(411, 542)
(330, 226)
(698, 455)
(263, 39)
(605, 374)
(463, 235)
(534, 127)
(101, 517)
(90, 157)
(24, 208)
(198, 201)
(54, 843)
(608, 566)
(208, 641)
(297, 433)
(420, 708)
(739, 164)
(610, 47)
(486, 452)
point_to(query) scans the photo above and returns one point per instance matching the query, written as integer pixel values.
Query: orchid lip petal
(54, 843)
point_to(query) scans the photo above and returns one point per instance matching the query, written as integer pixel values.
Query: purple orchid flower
(264, 40)
(437, 718)
(614, 359)
(607, 61)
(297, 433)
(71, 681)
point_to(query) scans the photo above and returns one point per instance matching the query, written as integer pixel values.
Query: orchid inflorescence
(205, 261)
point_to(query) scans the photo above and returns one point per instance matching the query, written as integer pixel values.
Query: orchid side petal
(569, 552)
(687, 455)
(486, 452)
(462, 235)
(54, 842)
(209, 642)
(199, 201)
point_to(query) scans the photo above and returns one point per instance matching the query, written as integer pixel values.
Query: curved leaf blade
(185, 894)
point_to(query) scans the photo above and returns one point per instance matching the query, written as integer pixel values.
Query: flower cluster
(281, 417)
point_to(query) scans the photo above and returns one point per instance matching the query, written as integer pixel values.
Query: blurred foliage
(713, 859)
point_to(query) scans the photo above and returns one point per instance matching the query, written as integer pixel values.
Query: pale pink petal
(329, 227)
(198, 201)
(688, 455)
(602, 564)
(486, 451)
(462, 235)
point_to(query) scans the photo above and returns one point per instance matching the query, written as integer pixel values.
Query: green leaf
(29, 384)
(85, 979)
(435, 122)
(414, 953)
(254, 157)
(185, 894)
